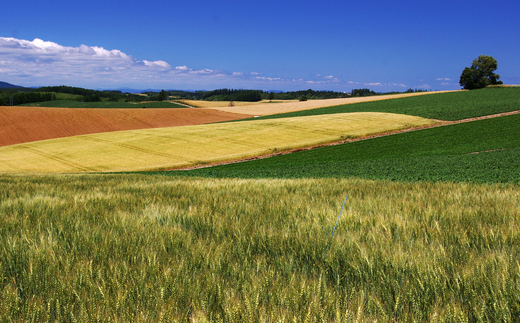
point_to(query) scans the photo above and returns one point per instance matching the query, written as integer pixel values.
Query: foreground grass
(485, 151)
(167, 148)
(138, 248)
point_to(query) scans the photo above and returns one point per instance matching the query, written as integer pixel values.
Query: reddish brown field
(25, 124)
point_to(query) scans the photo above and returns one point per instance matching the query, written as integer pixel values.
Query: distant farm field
(165, 148)
(27, 124)
(291, 106)
(225, 104)
(454, 105)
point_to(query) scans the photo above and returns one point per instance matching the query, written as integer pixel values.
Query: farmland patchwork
(166, 148)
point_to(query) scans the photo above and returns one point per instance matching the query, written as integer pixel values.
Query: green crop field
(141, 248)
(103, 105)
(482, 151)
(443, 106)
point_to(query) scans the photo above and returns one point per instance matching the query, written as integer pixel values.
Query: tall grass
(136, 248)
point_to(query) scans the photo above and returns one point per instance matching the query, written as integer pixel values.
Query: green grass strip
(443, 106)
(480, 151)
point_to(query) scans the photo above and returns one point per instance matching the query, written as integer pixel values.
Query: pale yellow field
(225, 104)
(262, 109)
(167, 148)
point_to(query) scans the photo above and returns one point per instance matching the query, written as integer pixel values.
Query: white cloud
(182, 68)
(157, 63)
(443, 79)
(39, 62)
(45, 62)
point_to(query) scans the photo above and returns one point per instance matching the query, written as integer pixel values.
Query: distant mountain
(5, 85)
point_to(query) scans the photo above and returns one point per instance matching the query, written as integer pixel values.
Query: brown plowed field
(25, 124)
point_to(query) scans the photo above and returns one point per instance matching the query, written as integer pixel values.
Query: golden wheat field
(176, 147)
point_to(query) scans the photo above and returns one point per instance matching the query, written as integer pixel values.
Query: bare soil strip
(25, 124)
(439, 124)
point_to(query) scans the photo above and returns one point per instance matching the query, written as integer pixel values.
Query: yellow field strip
(262, 109)
(225, 104)
(167, 148)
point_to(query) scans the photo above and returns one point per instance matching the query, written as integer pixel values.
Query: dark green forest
(21, 95)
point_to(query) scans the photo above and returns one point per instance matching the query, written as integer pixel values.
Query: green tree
(161, 96)
(271, 96)
(480, 74)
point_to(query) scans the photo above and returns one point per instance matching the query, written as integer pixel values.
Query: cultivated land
(454, 105)
(141, 248)
(486, 150)
(26, 124)
(291, 106)
(148, 248)
(225, 104)
(166, 148)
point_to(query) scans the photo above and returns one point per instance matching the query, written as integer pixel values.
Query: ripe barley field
(167, 148)
(141, 248)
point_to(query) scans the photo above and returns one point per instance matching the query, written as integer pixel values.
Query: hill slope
(483, 151)
(26, 124)
(166, 148)
(5, 85)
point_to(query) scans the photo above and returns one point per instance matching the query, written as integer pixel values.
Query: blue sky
(268, 45)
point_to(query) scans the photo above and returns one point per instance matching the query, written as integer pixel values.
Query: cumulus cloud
(40, 62)
(443, 79)
(47, 62)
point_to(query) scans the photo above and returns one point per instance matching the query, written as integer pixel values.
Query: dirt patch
(26, 124)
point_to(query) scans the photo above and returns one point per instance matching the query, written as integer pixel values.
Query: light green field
(142, 248)
(166, 148)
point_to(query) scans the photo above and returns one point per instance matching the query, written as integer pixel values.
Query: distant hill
(5, 85)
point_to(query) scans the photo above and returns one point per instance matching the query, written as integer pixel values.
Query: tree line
(19, 96)
(8, 98)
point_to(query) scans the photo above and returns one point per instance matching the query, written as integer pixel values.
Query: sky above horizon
(268, 45)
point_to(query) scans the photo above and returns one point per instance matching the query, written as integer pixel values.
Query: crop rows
(480, 151)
